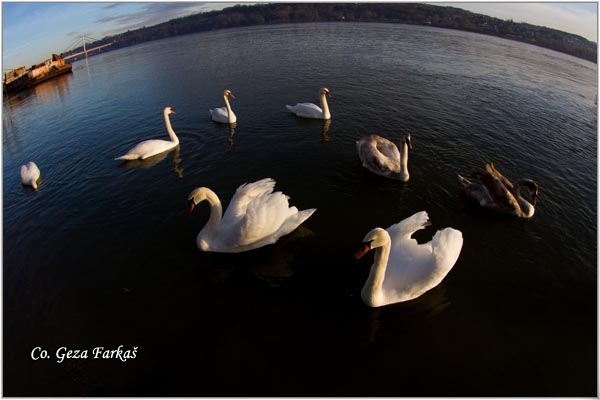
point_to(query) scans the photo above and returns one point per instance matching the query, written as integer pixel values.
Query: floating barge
(21, 78)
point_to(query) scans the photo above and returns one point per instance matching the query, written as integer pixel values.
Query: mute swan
(403, 269)
(152, 147)
(30, 173)
(254, 218)
(310, 110)
(494, 191)
(382, 157)
(225, 114)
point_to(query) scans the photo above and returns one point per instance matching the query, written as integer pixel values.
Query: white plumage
(152, 147)
(403, 269)
(310, 110)
(30, 174)
(224, 115)
(254, 218)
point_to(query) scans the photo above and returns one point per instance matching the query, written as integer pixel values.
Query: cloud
(577, 18)
(148, 14)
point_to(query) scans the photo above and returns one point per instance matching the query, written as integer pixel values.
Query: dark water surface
(104, 253)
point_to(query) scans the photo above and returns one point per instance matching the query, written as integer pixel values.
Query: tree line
(404, 13)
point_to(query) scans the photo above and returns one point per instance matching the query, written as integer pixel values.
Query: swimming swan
(310, 110)
(254, 218)
(490, 189)
(403, 269)
(224, 115)
(152, 147)
(382, 157)
(30, 174)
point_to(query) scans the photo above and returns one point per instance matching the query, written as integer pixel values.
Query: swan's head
(228, 93)
(324, 92)
(374, 239)
(197, 196)
(406, 140)
(531, 186)
(168, 110)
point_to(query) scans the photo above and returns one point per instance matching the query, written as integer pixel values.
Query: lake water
(104, 253)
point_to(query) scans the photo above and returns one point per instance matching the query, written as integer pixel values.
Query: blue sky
(32, 31)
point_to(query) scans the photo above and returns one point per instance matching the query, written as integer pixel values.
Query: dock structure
(22, 78)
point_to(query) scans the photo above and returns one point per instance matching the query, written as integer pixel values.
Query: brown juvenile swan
(381, 156)
(493, 190)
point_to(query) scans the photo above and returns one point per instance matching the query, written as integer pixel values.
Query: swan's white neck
(170, 130)
(404, 162)
(229, 112)
(372, 290)
(527, 209)
(325, 106)
(211, 228)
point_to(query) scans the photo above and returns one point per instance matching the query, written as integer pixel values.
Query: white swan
(254, 218)
(30, 174)
(152, 147)
(310, 110)
(224, 115)
(382, 157)
(404, 269)
(491, 189)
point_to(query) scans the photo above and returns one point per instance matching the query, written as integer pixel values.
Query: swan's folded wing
(446, 246)
(410, 266)
(308, 106)
(245, 194)
(306, 109)
(494, 172)
(147, 148)
(501, 197)
(264, 216)
(415, 268)
(218, 112)
(372, 157)
(388, 149)
(24, 172)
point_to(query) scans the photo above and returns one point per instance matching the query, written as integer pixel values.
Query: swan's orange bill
(363, 250)
(190, 206)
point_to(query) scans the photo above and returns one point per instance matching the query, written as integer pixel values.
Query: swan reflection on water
(230, 137)
(154, 160)
(428, 307)
(272, 267)
(324, 136)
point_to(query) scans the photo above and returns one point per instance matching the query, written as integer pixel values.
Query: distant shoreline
(402, 13)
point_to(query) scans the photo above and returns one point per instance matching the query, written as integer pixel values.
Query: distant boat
(21, 78)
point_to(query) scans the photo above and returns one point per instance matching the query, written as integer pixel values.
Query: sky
(32, 31)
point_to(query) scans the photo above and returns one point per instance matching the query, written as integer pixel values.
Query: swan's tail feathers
(410, 225)
(295, 221)
(304, 215)
(465, 182)
(128, 156)
(446, 246)
(291, 108)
